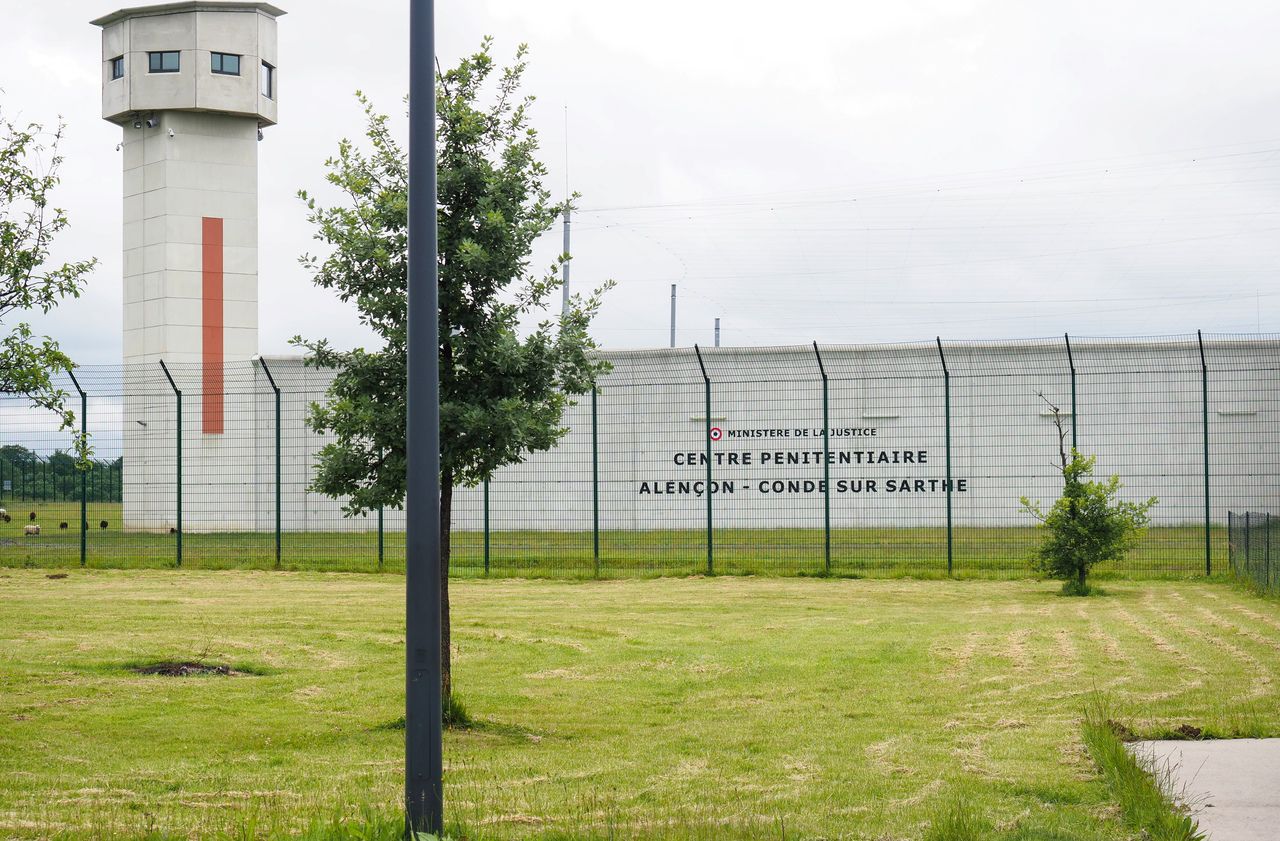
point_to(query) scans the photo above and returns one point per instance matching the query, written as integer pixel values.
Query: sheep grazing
(32, 516)
(6, 518)
(3, 513)
(63, 525)
(103, 525)
(31, 531)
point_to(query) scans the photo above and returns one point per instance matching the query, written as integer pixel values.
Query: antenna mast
(564, 267)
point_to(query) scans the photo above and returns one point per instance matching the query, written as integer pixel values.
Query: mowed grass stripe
(1232, 666)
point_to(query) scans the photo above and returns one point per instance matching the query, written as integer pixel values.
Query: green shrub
(1086, 526)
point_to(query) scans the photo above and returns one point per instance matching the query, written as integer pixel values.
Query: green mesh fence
(905, 459)
(1250, 553)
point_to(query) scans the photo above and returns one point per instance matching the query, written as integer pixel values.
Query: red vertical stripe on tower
(212, 322)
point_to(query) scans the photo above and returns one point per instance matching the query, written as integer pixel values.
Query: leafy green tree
(1088, 524)
(502, 393)
(28, 225)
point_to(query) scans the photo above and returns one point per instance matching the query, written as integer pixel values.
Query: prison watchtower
(192, 85)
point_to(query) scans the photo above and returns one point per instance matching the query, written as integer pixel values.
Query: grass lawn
(700, 708)
(977, 552)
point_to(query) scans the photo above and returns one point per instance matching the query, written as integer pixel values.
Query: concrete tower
(191, 84)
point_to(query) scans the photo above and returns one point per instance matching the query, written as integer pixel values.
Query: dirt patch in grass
(1187, 732)
(1121, 730)
(184, 668)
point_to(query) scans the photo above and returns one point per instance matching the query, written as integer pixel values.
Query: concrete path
(1232, 785)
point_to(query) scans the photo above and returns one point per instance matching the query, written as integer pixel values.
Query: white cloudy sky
(841, 171)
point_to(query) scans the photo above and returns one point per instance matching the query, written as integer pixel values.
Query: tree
(502, 395)
(28, 225)
(1087, 525)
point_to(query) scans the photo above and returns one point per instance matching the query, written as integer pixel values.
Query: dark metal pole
(707, 409)
(595, 480)
(946, 388)
(1231, 542)
(177, 393)
(826, 463)
(486, 527)
(276, 389)
(382, 548)
(673, 315)
(1204, 406)
(1074, 417)
(1248, 552)
(423, 783)
(84, 473)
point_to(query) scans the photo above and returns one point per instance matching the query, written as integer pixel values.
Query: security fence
(904, 459)
(1249, 546)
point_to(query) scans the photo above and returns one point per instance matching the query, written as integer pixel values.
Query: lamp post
(423, 789)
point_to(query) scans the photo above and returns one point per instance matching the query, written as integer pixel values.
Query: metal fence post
(595, 481)
(1248, 550)
(275, 388)
(486, 526)
(84, 471)
(946, 391)
(178, 483)
(706, 381)
(1231, 542)
(826, 462)
(1075, 419)
(1204, 406)
(381, 545)
(1267, 556)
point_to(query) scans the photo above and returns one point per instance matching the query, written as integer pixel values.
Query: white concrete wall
(1139, 406)
(207, 168)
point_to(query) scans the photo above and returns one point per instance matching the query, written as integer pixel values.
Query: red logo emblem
(716, 434)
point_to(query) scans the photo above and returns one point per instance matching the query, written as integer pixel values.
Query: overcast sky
(839, 171)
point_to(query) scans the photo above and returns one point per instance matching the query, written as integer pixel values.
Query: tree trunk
(446, 647)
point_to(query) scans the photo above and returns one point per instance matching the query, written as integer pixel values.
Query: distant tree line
(26, 476)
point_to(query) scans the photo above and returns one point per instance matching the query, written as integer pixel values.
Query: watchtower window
(226, 64)
(268, 81)
(165, 62)
(117, 67)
